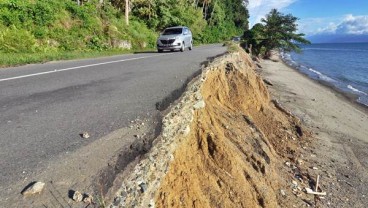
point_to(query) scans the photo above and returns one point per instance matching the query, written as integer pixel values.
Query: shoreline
(354, 97)
(348, 96)
(339, 148)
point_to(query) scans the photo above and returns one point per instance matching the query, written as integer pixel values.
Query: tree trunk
(205, 6)
(196, 3)
(149, 10)
(127, 12)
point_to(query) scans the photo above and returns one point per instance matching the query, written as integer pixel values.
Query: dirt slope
(223, 145)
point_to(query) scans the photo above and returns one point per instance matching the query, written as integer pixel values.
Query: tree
(254, 38)
(277, 31)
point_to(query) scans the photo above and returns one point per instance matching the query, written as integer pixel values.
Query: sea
(344, 66)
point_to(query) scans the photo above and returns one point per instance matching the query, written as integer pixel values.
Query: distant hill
(337, 38)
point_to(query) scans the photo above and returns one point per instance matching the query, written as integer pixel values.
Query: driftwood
(281, 108)
(310, 191)
(317, 183)
(267, 82)
(315, 192)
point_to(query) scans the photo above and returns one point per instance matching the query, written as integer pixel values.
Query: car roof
(176, 27)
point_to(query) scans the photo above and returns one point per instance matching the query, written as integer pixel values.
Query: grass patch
(17, 59)
(231, 46)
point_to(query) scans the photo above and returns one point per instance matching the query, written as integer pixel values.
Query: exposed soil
(228, 160)
(229, 152)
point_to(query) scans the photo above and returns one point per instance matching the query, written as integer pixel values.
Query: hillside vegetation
(43, 30)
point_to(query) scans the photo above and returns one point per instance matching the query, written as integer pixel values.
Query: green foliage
(278, 31)
(17, 40)
(11, 59)
(141, 36)
(44, 26)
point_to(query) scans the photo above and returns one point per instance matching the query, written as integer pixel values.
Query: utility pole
(127, 12)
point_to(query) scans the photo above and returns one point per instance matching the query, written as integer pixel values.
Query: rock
(117, 201)
(53, 43)
(143, 187)
(123, 44)
(314, 168)
(288, 164)
(199, 105)
(299, 161)
(151, 204)
(283, 193)
(186, 131)
(85, 135)
(33, 188)
(77, 196)
(299, 130)
(88, 198)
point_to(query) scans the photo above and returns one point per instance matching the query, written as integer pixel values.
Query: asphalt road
(44, 107)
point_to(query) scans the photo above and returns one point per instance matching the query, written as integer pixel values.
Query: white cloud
(259, 8)
(354, 25)
(349, 24)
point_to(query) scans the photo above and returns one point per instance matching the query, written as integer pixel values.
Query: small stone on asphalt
(34, 188)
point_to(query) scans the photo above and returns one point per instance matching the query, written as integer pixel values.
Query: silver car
(175, 38)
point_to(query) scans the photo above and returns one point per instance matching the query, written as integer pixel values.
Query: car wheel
(160, 50)
(191, 46)
(182, 47)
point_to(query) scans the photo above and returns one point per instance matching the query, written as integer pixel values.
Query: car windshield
(236, 38)
(173, 31)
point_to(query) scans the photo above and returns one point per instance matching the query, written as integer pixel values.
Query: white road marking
(78, 67)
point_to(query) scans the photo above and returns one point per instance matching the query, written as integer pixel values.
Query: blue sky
(318, 17)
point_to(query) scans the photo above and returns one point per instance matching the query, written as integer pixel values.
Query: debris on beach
(310, 191)
(77, 196)
(267, 82)
(87, 198)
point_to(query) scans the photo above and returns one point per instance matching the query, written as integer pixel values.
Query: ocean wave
(288, 59)
(322, 76)
(356, 90)
(334, 49)
(363, 100)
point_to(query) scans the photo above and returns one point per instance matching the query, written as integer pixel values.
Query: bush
(141, 36)
(17, 40)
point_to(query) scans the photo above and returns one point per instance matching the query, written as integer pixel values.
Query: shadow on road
(139, 52)
(150, 52)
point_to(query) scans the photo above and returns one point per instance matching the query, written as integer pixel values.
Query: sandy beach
(339, 150)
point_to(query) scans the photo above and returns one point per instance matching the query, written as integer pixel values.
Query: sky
(345, 20)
